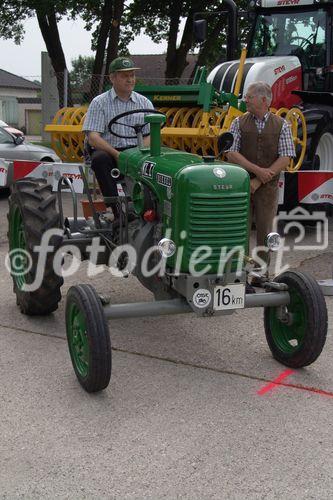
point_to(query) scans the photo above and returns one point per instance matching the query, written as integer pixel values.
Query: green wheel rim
(17, 242)
(289, 338)
(78, 340)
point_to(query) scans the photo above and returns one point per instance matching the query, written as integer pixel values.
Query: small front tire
(299, 340)
(88, 338)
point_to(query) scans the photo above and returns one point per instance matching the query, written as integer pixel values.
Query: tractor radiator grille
(219, 221)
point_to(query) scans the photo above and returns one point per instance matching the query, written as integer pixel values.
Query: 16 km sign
(229, 297)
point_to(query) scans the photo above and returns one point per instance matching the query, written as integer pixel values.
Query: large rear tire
(88, 338)
(323, 149)
(299, 340)
(32, 211)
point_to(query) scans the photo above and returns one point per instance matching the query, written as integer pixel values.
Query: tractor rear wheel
(32, 211)
(88, 338)
(297, 339)
(324, 148)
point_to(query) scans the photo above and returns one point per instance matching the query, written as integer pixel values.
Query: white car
(11, 130)
(17, 148)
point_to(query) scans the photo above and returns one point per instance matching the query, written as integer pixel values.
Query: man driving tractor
(103, 147)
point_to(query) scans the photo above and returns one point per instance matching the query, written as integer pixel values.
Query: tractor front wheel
(297, 334)
(88, 338)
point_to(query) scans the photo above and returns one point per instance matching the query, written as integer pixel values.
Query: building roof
(153, 68)
(9, 80)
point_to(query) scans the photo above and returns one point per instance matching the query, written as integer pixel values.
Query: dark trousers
(102, 163)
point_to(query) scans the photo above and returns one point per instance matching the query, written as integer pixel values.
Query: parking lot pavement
(163, 430)
(190, 411)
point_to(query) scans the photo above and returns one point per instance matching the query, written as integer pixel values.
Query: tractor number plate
(229, 297)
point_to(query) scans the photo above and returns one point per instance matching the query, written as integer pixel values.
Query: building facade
(20, 103)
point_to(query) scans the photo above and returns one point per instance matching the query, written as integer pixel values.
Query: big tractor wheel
(323, 147)
(296, 335)
(32, 211)
(88, 338)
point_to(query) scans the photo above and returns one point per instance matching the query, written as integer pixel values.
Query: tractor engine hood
(210, 206)
(200, 201)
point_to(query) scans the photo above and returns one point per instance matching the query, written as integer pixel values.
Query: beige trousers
(264, 203)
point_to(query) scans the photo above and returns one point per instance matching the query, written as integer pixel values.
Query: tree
(10, 27)
(176, 56)
(214, 49)
(48, 17)
(161, 21)
(82, 69)
(105, 38)
(48, 13)
(115, 32)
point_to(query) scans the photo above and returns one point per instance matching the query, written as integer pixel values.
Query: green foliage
(159, 20)
(13, 13)
(214, 50)
(155, 20)
(82, 69)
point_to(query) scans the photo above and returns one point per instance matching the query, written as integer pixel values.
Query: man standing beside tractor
(102, 146)
(263, 146)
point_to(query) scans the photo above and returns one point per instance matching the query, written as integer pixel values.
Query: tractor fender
(142, 241)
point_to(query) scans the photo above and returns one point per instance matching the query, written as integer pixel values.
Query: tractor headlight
(273, 241)
(166, 247)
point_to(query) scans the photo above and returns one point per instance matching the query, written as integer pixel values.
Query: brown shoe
(256, 281)
(249, 288)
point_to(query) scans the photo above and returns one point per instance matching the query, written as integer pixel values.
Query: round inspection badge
(219, 172)
(202, 298)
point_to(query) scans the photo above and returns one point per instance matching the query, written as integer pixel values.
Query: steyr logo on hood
(219, 172)
(222, 187)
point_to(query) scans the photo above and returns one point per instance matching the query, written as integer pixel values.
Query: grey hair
(262, 89)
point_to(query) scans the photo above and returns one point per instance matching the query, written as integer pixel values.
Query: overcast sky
(25, 59)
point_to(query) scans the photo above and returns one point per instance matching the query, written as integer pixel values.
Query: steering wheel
(305, 41)
(303, 51)
(138, 127)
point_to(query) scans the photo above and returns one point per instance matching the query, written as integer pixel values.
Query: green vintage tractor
(182, 231)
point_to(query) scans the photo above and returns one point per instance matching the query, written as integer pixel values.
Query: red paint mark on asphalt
(310, 389)
(278, 382)
(275, 382)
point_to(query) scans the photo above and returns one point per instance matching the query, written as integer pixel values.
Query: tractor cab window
(301, 34)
